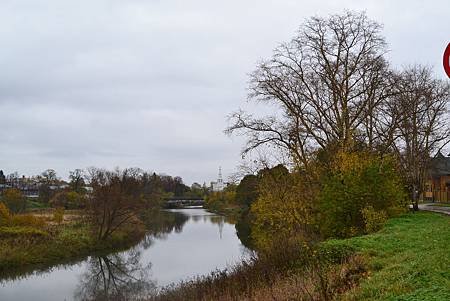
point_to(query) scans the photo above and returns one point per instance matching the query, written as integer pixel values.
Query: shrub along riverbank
(407, 260)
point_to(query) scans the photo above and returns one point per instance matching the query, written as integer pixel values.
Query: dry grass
(69, 216)
(288, 273)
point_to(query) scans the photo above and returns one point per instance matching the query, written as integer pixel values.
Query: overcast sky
(149, 83)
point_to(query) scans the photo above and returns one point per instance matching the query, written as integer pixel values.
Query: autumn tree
(68, 200)
(331, 93)
(14, 200)
(222, 200)
(283, 208)
(356, 182)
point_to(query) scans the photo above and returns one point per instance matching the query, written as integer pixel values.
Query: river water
(182, 244)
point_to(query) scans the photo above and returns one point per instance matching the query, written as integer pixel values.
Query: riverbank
(407, 260)
(178, 244)
(42, 243)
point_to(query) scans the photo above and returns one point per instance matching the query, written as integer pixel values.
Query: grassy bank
(26, 248)
(407, 260)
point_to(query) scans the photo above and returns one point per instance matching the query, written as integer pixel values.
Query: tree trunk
(415, 199)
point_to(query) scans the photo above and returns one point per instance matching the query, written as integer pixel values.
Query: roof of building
(440, 165)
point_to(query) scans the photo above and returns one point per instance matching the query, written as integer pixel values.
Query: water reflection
(115, 277)
(161, 223)
(180, 244)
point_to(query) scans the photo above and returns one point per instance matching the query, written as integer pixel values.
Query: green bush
(335, 253)
(68, 200)
(373, 220)
(356, 181)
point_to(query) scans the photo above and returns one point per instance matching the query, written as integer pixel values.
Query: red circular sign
(447, 60)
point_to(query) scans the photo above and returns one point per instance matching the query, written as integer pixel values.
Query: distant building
(219, 185)
(437, 188)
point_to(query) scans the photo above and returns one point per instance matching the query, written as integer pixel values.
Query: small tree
(68, 200)
(58, 215)
(77, 180)
(14, 200)
(283, 207)
(5, 215)
(115, 201)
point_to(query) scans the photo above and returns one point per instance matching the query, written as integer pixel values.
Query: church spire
(219, 179)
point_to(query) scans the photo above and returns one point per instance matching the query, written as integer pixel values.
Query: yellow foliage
(58, 215)
(14, 200)
(27, 220)
(282, 209)
(5, 215)
(8, 219)
(373, 220)
(347, 162)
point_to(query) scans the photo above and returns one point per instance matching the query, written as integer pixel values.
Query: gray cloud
(149, 83)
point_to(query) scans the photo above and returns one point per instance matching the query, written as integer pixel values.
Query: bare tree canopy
(115, 200)
(328, 81)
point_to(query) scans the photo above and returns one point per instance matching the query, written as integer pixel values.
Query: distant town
(48, 183)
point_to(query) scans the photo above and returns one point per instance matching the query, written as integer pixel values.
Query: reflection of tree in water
(243, 232)
(196, 218)
(115, 277)
(162, 223)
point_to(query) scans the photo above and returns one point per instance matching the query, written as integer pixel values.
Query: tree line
(108, 199)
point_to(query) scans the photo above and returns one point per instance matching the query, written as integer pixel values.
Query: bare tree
(77, 179)
(49, 176)
(328, 82)
(422, 124)
(115, 200)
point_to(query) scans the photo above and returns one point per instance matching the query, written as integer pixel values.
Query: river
(182, 244)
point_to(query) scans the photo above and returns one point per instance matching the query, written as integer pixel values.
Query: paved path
(439, 209)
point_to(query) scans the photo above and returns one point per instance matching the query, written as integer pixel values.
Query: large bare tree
(328, 82)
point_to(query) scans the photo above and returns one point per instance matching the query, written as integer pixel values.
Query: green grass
(35, 205)
(408, 260)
